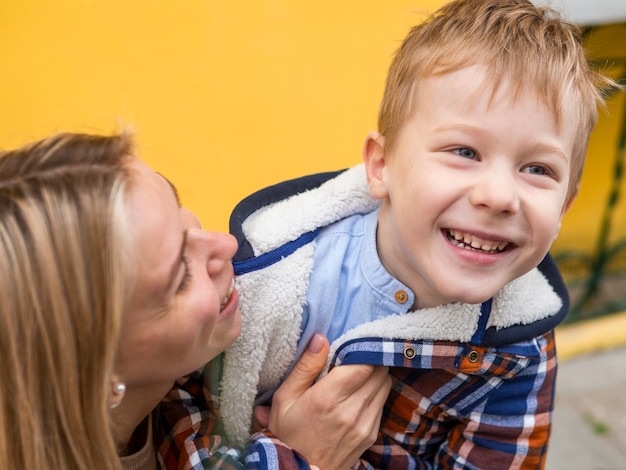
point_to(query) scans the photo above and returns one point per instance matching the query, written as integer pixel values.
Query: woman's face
(184, 310)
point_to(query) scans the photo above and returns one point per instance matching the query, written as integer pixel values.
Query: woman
(111, 291)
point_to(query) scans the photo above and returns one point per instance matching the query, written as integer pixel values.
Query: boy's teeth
(465, 240)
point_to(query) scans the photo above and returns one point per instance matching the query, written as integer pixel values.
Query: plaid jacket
(459, 406)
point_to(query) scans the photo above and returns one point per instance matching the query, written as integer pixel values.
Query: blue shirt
(349, 285)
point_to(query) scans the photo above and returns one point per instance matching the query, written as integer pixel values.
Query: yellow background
(228, 97)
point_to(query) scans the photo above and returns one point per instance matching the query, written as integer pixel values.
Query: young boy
(431, 257)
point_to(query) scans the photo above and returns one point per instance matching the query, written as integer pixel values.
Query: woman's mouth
(230, 292)
(471, 242)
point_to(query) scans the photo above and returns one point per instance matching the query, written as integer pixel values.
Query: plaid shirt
(452, 406)
(187, 436)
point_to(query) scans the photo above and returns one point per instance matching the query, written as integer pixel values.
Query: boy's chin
(473, 296)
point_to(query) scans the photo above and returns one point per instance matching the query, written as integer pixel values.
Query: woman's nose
(225, 243)
(189, 218)
(218, 248)
(216, 245)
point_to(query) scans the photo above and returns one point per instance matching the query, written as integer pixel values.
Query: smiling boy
(430, 258)
(473, 189)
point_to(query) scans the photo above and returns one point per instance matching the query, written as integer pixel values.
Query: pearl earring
(118, 393)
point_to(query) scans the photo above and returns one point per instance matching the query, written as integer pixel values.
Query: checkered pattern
(452, 406)
(457, 406)
(188, 436)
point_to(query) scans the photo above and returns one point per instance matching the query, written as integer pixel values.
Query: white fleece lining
(272, 299)
(523, 301)
(284, 221)
(271, 303)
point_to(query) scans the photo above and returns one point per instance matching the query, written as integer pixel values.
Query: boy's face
(473, 190)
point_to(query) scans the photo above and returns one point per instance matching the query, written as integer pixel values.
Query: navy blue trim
(479, 334)
(274, 256)
(265, 197)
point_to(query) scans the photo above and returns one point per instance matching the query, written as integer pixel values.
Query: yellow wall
(224, 98)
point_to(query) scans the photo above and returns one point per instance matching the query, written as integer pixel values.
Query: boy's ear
(374, 159)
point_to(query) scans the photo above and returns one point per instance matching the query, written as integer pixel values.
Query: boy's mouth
(471, 242)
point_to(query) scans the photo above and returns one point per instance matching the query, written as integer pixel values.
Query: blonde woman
(110, 292)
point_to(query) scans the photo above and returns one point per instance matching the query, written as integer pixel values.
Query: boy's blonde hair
(531, 46)
(65, 276)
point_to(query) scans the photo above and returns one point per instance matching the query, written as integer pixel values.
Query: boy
(431, 257)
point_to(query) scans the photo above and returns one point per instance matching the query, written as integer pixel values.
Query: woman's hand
(333, 421)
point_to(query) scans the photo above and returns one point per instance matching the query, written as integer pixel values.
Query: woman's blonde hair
(64, 281)
(514, 39)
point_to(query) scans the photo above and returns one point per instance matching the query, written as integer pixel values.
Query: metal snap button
(473, 356)
(409, 352)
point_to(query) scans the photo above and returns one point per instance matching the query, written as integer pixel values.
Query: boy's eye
(536, 170)
(465, 153)
(186, 276)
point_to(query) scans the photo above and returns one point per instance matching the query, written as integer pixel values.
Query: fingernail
(316, 344)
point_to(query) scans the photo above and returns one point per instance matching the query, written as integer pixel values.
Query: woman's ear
(374, 159)
(118, 389)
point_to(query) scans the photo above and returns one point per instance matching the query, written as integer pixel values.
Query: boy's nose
(495, 191)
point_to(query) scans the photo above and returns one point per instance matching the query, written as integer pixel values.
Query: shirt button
(401, 296)
(473, 356)
(409, 352)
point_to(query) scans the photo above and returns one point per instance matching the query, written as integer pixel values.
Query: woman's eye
(184, 283)
(465, 153)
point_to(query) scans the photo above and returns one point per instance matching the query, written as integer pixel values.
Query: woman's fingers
(335, 420)
(308, 367)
